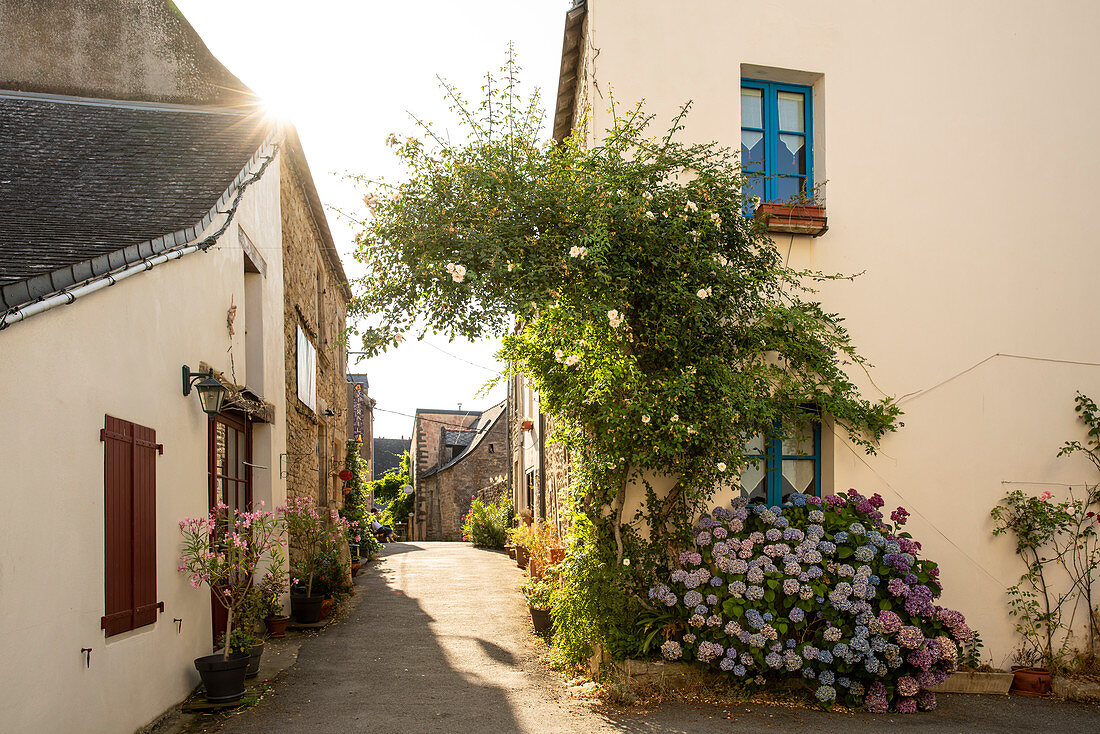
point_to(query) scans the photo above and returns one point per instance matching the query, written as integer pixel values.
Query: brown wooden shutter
(130, 577)
(145, 526)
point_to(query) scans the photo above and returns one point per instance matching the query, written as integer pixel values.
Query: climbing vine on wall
(660, 324)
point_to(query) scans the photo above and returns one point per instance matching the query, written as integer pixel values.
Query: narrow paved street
(439, 640)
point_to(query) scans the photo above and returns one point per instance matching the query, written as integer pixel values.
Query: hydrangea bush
(820, 589)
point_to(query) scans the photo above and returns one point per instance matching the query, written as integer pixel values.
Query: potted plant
(537, 592)
(222, 551)
(533, 546)
(307, 532)
(270, 590)
(246, 626)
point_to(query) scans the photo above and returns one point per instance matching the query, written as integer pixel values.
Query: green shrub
(486, 524)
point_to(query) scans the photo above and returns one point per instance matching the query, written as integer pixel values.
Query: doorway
(230, 475)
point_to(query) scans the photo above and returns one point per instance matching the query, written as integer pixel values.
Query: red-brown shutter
(145, 526)
(118, 454)
(129, 481)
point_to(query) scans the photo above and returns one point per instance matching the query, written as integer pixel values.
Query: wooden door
(230, 472)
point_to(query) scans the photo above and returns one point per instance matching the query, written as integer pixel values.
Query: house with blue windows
(932, 161)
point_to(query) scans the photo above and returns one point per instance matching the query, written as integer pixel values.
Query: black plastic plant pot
(540, 618)
(223, 678)
(306, 609)
(254, 655)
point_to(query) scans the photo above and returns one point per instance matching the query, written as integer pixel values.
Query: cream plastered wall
(118, 351)
(958, 142)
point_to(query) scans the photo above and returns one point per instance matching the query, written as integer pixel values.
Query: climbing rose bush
(819, 589)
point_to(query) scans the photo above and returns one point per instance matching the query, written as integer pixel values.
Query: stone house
(152, 220)
(973, 238)
(316, 295)
(539, 465)
(459, 455)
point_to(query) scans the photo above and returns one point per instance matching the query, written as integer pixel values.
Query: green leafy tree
(659, 323)
(390, 490)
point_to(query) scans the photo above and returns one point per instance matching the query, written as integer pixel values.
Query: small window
(781, 465)
(777, 140)
(307, 371)
(491, 448)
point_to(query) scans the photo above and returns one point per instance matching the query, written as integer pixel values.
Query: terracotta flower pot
(276, 626)
(793, 218)
(521, 556)
(557, 555)
(1030, 681)
(326, 608)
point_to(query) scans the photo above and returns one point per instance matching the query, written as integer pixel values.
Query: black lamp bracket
(190, 378)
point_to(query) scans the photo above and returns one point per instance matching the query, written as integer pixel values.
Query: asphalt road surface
(439, 640)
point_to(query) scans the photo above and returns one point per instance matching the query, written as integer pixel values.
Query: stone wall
(426, 454)
(114, 49)
(314, 300)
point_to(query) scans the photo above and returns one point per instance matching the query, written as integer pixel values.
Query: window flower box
(806, 219)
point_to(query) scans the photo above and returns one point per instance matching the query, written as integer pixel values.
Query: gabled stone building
(458, 455)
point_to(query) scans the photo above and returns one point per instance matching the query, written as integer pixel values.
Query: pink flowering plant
(315, 535)
(1058, 539)
(823, 591)
(224, 550)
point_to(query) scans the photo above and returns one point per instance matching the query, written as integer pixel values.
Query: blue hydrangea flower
(841, 537)
(739, 670)
(693, 598)
(826, 677)
(825, 694)
(797, 615)
(772, 660)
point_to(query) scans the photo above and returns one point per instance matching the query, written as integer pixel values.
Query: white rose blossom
(721, 466)
(571, 360)
(645, 419)
(691, 206)
(650, 215)
(703, 293)
(558, 355)
(577, 251)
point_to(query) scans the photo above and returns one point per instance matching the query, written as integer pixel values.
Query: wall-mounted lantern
(210, 389)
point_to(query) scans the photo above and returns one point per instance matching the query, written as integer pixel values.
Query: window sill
(793, 218)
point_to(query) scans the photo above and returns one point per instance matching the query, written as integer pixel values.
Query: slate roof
(81, 179)
(388, 453)
(458, 438)
(485, 421)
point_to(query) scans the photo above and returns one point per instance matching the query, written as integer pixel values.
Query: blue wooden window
(780, 465)
(777, 140)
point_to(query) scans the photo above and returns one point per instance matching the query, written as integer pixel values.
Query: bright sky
(347, 73)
